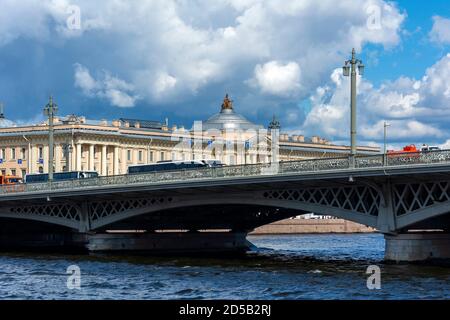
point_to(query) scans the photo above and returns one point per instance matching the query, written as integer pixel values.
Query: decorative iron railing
(304, 166)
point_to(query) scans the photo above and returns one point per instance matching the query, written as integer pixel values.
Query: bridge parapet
(303, 166)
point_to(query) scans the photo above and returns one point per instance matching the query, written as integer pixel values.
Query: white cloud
(164, 83)
(445, 145)
(416, 109)
(202, 43)
(118, 92)
(440, 33)
(276, 78)
(84, 80)
(26, 19)
(401, 130)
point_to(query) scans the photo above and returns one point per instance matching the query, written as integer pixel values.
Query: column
(31, 161)
(45, 165)
(116, 160)
(104, 160)
(73, 158)
(78, 154)
(58, 154)
(68, 157)
(240, 158)
(91, 157)
(123, 164)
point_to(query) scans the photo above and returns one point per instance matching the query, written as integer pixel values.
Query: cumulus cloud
(440, 33)
(28, 19)
(118, 92)
(276, 78)
(177, 48)
(164, 83)
(416, 109)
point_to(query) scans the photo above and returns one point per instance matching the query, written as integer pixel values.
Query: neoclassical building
(109, 147)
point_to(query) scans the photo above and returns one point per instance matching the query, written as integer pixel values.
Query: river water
(282, 267)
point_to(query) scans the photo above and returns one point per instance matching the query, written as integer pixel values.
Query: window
(162, 156)
(22, 153)
(174, 156)
(140, 155)
(3, 172)
(24, 173)
(13, 153)
(3, 155)
(151, 156)
(129, 155)
(41, 153)
(13, 172)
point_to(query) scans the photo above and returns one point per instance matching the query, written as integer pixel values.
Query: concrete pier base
(64, 242)
(169, 242)
(151, 243)
(412, 247)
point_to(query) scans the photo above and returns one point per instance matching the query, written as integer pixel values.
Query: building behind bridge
(109, 147)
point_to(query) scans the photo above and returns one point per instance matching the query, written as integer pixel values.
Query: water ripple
(283, 267)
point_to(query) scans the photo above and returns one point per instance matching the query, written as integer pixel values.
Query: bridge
(406, 197)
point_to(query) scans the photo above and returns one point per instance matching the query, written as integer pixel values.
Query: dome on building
(227, 119)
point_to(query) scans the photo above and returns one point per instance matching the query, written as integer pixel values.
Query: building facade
(109, 147)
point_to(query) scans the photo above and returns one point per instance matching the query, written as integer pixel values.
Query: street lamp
(386, 125)
(348, 69)
(50, 110)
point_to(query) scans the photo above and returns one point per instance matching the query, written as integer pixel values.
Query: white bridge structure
(406, 197)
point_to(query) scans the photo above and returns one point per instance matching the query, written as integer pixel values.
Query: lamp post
(386, 125)
(349, 69)
(50, 110)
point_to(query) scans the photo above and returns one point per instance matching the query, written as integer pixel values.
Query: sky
(152, 59)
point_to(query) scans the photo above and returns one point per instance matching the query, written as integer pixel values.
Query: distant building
(109, 147)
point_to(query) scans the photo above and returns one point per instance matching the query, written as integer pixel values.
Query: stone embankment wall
(298, 226)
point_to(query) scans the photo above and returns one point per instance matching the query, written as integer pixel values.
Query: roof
(149, 124)
(228, 119)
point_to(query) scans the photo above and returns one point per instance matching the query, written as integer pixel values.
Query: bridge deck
(437, 162)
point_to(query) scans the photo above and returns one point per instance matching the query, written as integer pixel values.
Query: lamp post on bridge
(50, 110)
(349, 69)
(386, 125)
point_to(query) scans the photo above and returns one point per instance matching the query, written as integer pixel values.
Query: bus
(59, 176)
(174, 166)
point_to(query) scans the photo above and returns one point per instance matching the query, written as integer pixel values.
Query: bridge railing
(312, 165)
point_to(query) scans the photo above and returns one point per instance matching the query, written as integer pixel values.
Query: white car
(430, 148)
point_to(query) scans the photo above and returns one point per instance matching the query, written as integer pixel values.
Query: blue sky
(155, 59)
(414, 53)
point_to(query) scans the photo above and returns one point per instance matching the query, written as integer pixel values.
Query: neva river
(283, 267)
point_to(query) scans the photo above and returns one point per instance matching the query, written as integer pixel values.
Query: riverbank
(302, 226)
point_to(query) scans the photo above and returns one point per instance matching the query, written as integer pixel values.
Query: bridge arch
(301, 207)
(61, 214)
(409, 219)
(49, 220)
